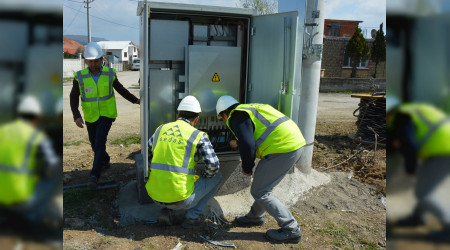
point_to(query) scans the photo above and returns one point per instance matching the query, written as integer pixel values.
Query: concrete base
(232, 199)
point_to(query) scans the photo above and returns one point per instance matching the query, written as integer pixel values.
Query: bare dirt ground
(347, 213)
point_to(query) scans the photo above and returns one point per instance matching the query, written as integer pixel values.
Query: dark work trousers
(98, 133)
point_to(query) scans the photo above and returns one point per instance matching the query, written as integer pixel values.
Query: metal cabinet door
(271, 62)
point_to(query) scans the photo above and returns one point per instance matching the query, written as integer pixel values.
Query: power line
(73, 19)
(74, 1)
(102, 18)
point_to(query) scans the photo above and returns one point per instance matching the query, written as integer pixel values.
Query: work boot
(191, 223)
(245, 221)
(92, 183)
(284, 235)
(107, 165)
(165, 218)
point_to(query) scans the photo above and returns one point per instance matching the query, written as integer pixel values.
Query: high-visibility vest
(18, 146)
(432, 128)
(274, 132)
(97, 99)
(172, 173)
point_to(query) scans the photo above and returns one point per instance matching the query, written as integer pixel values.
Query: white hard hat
(391, 102)
(59, 106)
(224, 102)
(191, 104)
(29, 105)
(93, 51)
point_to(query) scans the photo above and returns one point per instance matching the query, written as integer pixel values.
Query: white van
(136, 64)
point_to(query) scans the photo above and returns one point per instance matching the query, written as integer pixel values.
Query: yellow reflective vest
(432, 128)
(18, 146)
(274, 132)
(172, 170)
(97, 99)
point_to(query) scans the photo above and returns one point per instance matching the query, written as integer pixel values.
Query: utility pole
(88, 19)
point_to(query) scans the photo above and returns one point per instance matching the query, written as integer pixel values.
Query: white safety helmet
(391, 103)
(191, 104)
(29, 105)
(93, 51)
(59, 106)
(223, 103)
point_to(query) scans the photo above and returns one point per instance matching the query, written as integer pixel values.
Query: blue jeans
(205, 189)
(98, 134)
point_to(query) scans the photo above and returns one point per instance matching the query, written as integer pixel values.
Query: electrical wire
(79, 10)
(103, 18)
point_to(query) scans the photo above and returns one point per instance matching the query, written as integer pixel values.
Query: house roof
(107, 45)
(70, 45)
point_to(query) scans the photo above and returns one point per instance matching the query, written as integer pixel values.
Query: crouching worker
(177, 147)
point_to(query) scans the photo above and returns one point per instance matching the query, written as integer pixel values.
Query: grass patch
(132, 139)
(369, 244)
(79, 201)
(73, 143)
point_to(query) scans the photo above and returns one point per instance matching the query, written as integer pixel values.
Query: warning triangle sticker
(215, 78)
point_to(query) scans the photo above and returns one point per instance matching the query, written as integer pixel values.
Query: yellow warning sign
(215, 78)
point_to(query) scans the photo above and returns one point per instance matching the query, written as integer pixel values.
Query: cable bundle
(371, 119)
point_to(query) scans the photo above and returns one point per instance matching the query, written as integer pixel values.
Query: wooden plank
(368, 96)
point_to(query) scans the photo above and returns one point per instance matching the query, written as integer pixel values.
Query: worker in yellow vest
(29, 168)
(266, 133)
(95, 85)
(421, 132)
(177, 147)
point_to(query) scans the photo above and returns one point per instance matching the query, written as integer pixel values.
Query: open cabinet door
(271, 61)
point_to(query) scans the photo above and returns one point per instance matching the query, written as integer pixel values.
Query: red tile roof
(70, 45)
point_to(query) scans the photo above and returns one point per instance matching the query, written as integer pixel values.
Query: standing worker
(94, 85)
(29, 169)
(264, 132)
(420, 131)
(177, 147)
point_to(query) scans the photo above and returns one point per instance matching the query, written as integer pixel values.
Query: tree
(262, 6)
(378, 53)
(357, 50)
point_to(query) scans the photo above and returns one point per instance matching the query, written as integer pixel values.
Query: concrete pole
(88, 21)
(309, 94)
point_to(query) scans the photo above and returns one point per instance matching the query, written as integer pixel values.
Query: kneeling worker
(177, 147)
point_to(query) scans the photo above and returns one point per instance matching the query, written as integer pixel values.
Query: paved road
(331, 107)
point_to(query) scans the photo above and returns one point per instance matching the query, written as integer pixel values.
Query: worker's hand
(246, 174)
(138, 101)
(79, 121)
(233, 144)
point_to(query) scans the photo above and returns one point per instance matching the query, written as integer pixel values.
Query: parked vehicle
(136, 64)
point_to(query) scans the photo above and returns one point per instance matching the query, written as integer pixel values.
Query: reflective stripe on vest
(17, 167)
(432, 128)
(24, 169)
(187, 156)
(80, 77)
(172, 170)
(273, 131)
(270, 126)
(97, 98)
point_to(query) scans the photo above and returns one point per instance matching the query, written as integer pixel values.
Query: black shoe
(284, 236)
(165, 218)
(107, 165)
(92, 183)
(410, 221)
(245, 221)
(191, 223)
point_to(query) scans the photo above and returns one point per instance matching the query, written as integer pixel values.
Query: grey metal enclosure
(210, 51)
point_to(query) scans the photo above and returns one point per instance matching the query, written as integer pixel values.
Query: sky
(116, 19)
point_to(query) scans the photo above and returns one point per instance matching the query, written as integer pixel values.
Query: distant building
(335, 64)
(340, 28)
(123, 50)
(70, 46)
